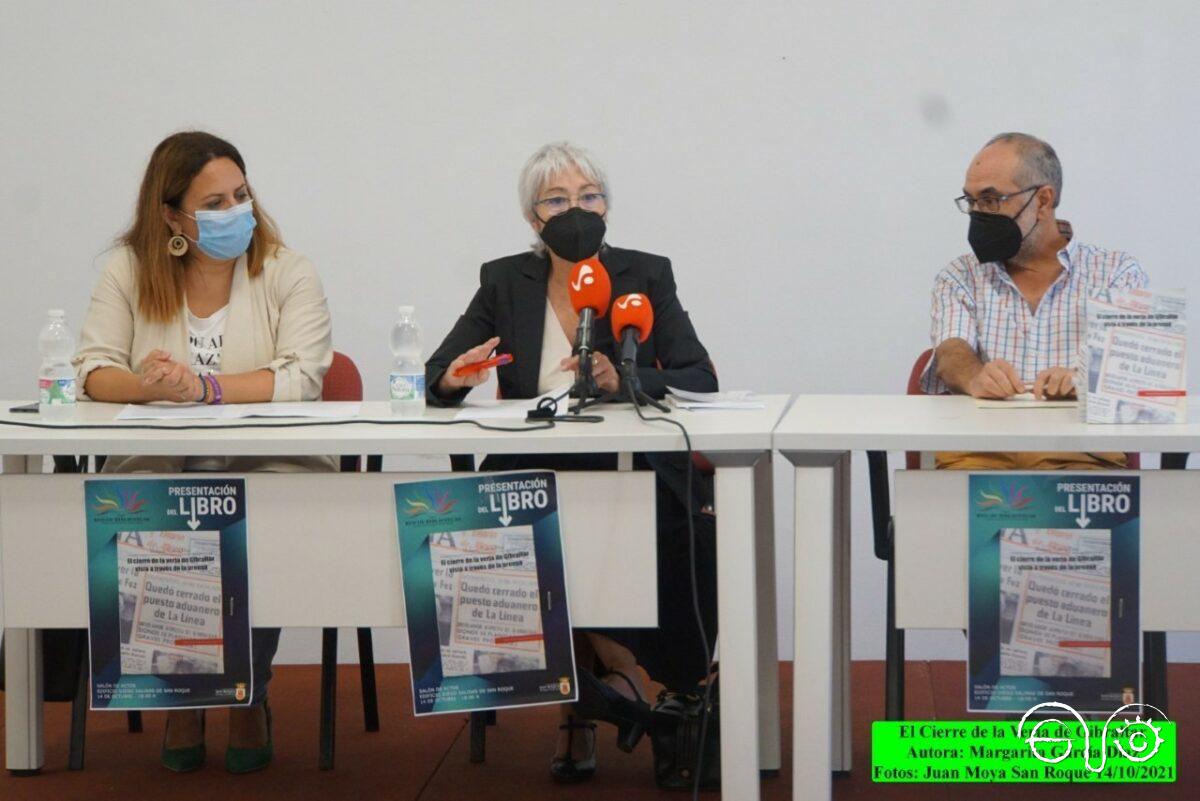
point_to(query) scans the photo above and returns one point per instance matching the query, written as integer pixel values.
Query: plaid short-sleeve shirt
(980, 304)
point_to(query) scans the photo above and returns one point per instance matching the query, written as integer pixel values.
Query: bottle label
(407, 386)
(56, 391)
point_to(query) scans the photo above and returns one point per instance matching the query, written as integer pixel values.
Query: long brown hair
(173, 165)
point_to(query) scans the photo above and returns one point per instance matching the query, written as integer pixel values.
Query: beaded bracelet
(215, 387)
(203, 390)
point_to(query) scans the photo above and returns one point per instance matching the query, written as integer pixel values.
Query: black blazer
(511, 304)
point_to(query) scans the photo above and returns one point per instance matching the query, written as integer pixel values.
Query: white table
(816, 435)
(351, 577)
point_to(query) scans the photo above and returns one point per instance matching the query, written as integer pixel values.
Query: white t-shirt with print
(205, 337)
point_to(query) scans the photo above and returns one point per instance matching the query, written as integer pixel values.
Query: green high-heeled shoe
(248, 760)
(188, 758)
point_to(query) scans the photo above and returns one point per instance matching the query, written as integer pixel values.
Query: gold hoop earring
(177, 245)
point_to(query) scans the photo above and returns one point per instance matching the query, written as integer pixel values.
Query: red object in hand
(486, 364)
(632, 311)
(589, 287)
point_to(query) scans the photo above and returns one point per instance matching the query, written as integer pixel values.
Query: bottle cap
(407, 309)
(56, 313)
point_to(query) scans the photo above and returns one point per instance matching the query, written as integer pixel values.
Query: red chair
(1154, 643)
(884, 531)
(344, 383)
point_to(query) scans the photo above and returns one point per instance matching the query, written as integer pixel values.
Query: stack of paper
(1025, 400)
(701, 401)
(237, 411)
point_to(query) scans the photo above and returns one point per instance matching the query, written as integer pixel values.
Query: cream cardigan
(278, 321)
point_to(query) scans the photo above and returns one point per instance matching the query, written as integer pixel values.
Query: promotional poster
(485, 592)
(1053, 588)
(168, 596)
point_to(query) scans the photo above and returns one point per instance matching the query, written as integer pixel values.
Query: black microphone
(583, 334)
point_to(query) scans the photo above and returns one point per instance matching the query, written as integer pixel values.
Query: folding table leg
(329, 639)
(23, 722)
(894, 661)
(479, 722)
(366, 672)
(1154, 669)
(79, 706)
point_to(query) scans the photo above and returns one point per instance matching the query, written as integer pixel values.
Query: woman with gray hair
(523, 306)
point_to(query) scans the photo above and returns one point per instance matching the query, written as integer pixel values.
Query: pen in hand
(486, 364)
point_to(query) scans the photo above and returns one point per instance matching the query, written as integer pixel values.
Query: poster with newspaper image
(485, 592)
(1133, 360)
(168, 598)
(1053, 591)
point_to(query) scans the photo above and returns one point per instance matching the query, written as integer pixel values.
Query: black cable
(547, 409)
(542, 425)
(539, 424)
(708, 654)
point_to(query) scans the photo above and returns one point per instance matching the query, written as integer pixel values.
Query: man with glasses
(1008, 318)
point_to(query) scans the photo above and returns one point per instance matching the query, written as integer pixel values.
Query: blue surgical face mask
(226, 234)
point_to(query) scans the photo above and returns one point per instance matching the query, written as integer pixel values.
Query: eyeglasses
(988, 204)
(588, 201)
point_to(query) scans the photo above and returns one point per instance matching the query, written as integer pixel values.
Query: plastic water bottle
(56, 379)
(407, 379)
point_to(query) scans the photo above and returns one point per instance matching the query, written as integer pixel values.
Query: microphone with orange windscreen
(632, 322)
(590, 291)
(589, 287)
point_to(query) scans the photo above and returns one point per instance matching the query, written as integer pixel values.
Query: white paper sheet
(496, 410)
(711, 397)
(508, 409)
(236, 411)
(713, 401)
(322, 409)
(1024, 401)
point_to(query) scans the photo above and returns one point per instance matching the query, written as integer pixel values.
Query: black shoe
(566, 769)
(599, 701)
(678, 719)
(187, 758)
(248, 760)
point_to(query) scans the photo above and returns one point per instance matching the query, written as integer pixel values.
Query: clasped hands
(170, 380)
(999, 380)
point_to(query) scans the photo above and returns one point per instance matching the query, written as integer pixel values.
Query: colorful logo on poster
(430, 502)
(1010, 498)
(125, 501)
(239, 691)
(564, 685)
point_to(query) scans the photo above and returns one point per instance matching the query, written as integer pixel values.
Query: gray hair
(548, 161)
(1039, 162)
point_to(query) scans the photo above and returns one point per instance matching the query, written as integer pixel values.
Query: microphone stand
(585, 385)
(630, 386)
(585, 389)
(629, 378)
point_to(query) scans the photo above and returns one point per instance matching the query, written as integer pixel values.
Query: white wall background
(797, 161)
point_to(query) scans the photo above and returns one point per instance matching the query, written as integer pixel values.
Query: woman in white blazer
(201, 302)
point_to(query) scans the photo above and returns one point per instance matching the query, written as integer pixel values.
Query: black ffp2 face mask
(575, 234)
(996, 237)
